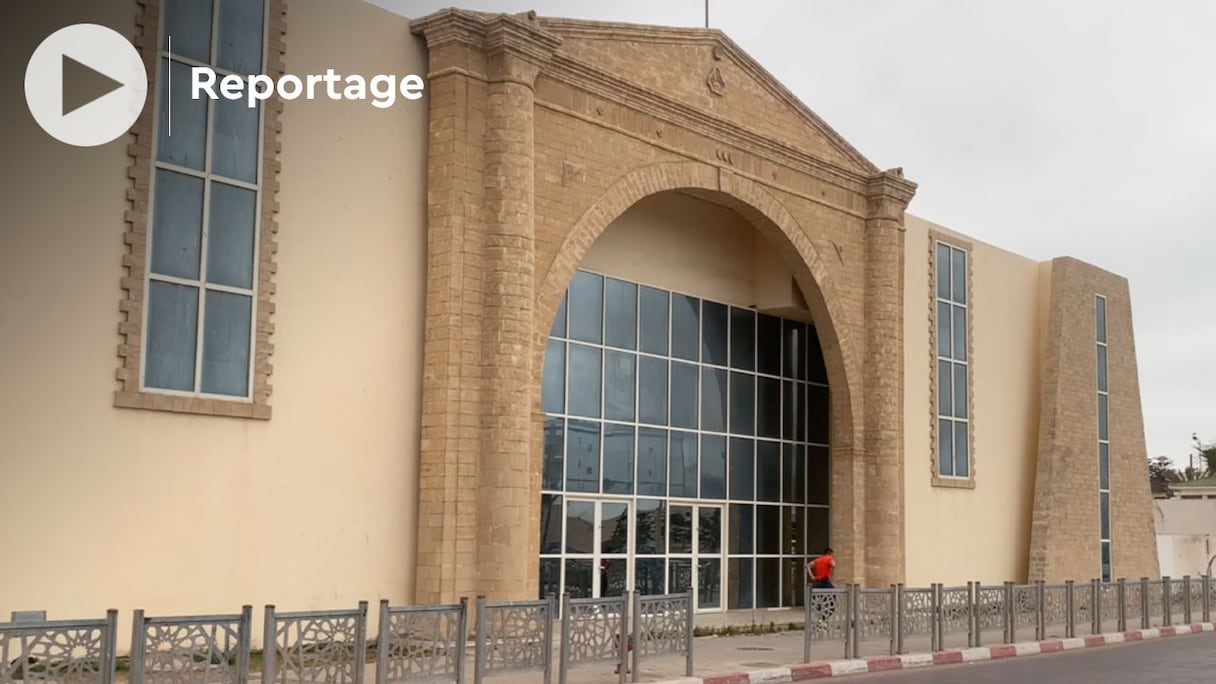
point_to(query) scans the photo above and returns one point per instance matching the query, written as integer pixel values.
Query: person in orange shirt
(821, 570)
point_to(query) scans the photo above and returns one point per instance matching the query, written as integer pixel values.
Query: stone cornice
(450, 26)
(891, 188)
(727, 49)
(516, 35)
(506, 34)
(573, 72)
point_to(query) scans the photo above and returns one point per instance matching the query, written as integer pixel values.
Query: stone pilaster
(450, 443)
(515, 51)
(887, 197)
(476, 507)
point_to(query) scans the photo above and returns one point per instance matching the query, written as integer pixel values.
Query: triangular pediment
(704, 69)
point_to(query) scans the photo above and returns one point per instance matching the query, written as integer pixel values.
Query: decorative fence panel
(827, 618)
(59, 651)
(1055, 609)
(211, 649)
(315, 647)
(1025, 607)
(989, 612)
(873, 618)
(422, 643)
(663, 625)
(514, 636)
(957, 614)
(595, 630)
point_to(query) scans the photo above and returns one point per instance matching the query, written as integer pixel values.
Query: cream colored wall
(695, 247)
(982, 534)
(119, 508)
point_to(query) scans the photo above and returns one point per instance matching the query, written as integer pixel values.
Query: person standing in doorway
(821, 570)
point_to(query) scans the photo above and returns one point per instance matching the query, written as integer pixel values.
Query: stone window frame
(1102, 368)
(965, 246)
(130, 392)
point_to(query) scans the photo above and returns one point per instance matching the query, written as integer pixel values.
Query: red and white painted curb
(838, 668)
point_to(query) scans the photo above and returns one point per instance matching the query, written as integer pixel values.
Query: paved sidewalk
(837, 668)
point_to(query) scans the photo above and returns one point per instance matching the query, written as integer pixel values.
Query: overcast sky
(1082, 128)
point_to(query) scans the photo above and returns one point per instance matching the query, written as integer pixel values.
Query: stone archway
(770, 218)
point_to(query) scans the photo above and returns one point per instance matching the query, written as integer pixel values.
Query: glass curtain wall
(685, 445)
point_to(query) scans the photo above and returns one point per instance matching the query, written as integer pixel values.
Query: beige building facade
(608, 308)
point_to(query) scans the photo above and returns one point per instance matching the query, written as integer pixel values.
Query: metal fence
(432, 643)
(937, 618)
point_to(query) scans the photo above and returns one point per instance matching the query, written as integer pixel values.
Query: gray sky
(1082, 128)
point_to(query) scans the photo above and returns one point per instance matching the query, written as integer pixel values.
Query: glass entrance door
(696, 553)
(597, 544)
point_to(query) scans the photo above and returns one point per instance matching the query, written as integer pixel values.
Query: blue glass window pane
(227, 324)
(618, 459)
(553, 382)
(685, 327)
(713, 467)
(620, 314)
(554, 447)
(172, 336)
(582, 456)
(586, 307)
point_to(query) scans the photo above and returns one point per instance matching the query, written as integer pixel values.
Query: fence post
(139, 644)
(462, 634)
(1145, 620)
(1095, 602)
(623, 663)
(1121, 595)
(1040, 610)
(564, 659)
(1010, 624)
(109, 651)
(383, 643)
(688, 636)
(935, 625)
(972, 623)
(1186, 598)
(361, 643)
(269, 646)
(637, 633)
(808, 621)
(854, 620)
(1070, 620)
(1206, 599)
(548, 650)
(479, 642)
(244, 645)
(896, 608)
(1167, 603)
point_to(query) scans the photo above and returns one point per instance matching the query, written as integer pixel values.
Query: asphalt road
(1181, 659)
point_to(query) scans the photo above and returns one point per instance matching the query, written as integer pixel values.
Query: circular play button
(86, 85)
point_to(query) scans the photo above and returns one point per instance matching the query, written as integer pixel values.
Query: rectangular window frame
(1105, 510)
(939, 478)
(133, 391)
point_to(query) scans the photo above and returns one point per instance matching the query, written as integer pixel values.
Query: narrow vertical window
(952, 367)
(1104, 521)
(206, 201)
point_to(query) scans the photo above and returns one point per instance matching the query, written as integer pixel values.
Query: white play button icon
(86, 85)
